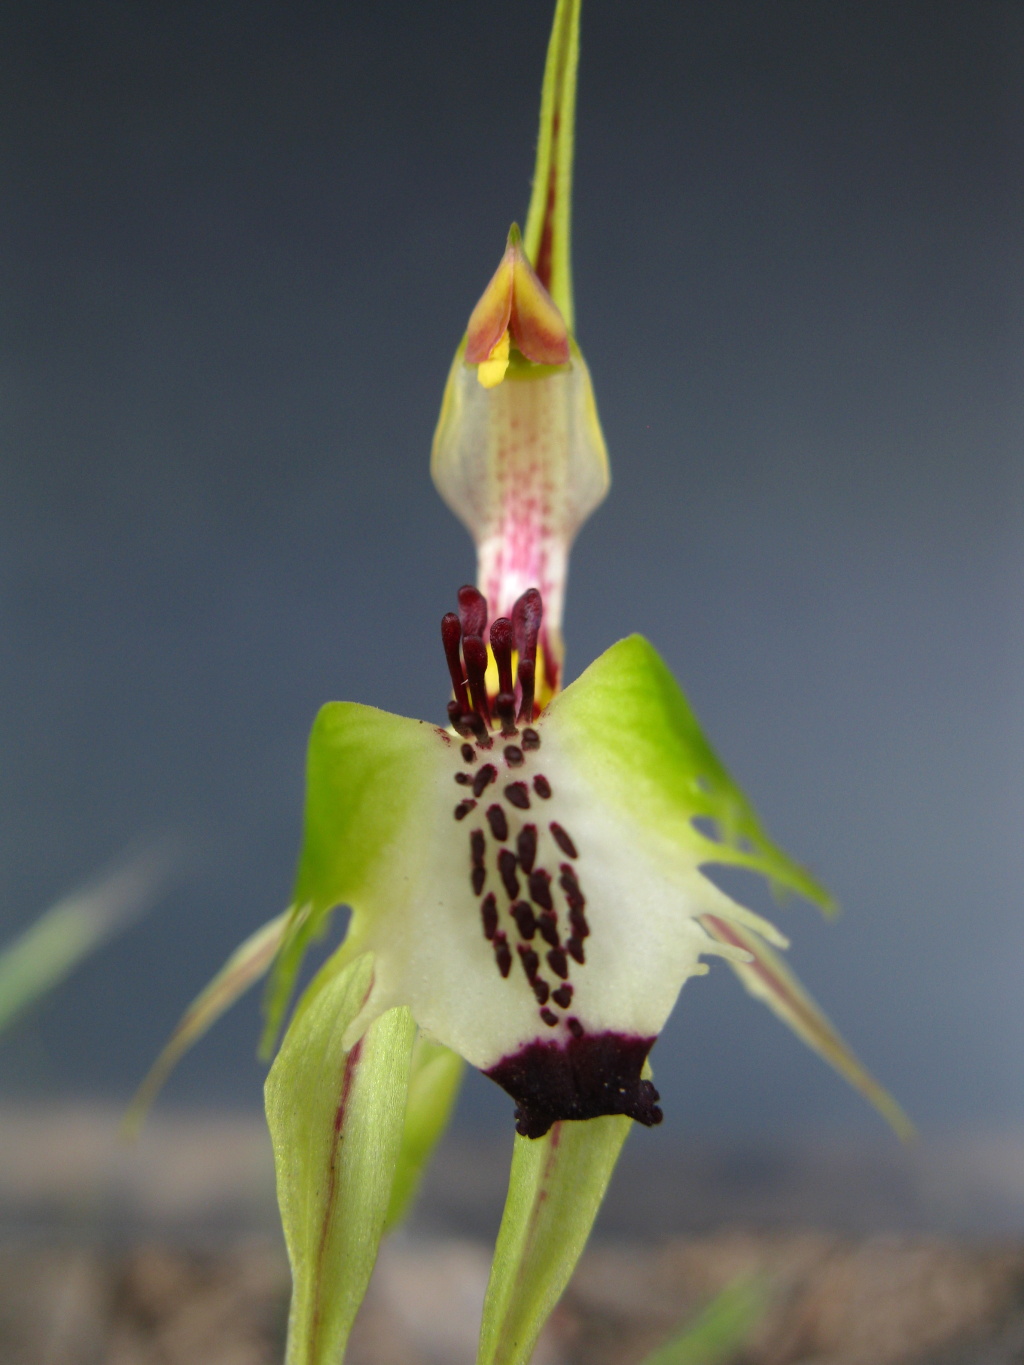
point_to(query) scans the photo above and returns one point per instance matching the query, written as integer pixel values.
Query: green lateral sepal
(434, 1082)
(336, 1120)
(555, 1189)
(767, 978)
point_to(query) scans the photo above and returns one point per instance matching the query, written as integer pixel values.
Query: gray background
(239, 246)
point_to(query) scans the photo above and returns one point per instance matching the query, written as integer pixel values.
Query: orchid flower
(528, 882)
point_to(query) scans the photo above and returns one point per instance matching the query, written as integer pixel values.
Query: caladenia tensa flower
(527, 883)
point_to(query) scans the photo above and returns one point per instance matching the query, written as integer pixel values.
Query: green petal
(363, 772)
(434, 1081)
(243, 969)
(555, 1189)
(768, 979)
(721, 1329)
(336, 1122)
(629, 726)
(50, 948)
(548, 222)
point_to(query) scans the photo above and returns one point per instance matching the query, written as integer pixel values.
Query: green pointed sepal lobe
(556, 1186)
(767, 978)
(336, 1121)
(629, 725)
(627, 721)
(363, 767)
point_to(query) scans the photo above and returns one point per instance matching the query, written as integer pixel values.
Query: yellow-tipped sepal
(515, 310)
(518, 453)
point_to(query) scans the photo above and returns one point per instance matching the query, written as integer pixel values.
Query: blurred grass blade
(336, 1121)
(768, 979)
(243, 969)
(555, 1189)
(434, 1080)
(721, 1330)
(48, 950)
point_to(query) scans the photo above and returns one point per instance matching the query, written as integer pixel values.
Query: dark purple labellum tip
(591, 1075)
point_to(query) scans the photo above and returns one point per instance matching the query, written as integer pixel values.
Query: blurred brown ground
(168, 1254)
(835, 1301)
